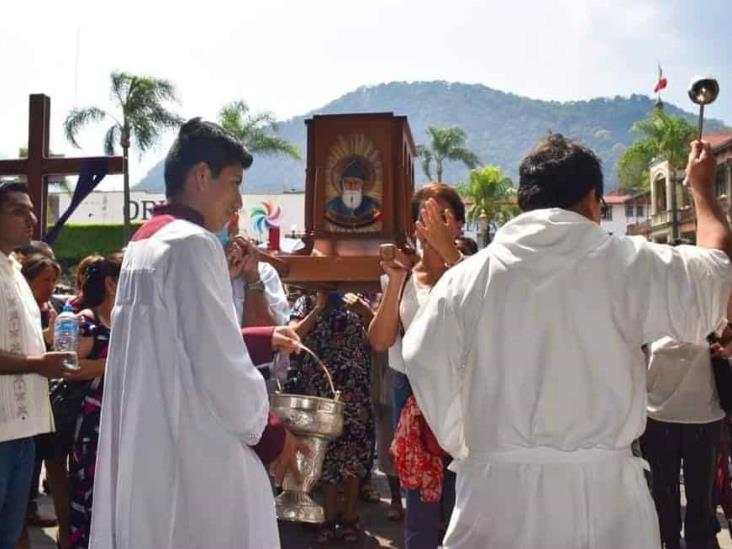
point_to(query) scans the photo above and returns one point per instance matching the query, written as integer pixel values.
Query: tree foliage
(140, 117)
(490, 193)
(445, 144)
(664, 137)
(256, 131)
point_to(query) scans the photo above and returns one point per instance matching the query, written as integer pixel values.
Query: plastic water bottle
(66, 336)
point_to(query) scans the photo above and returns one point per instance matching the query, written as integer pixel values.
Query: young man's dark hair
(466, 245)
(7, 187)
(201, 141)
(558, 173)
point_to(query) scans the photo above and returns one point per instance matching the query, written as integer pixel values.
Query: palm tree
(445, 144)
(141, 116)
(664, 137)
(255, 130)
(491, 197)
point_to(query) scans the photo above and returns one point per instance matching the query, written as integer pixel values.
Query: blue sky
(291, 56)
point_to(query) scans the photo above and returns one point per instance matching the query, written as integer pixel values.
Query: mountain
(501, 128)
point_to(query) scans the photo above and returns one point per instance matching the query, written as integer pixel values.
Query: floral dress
(339, 338)
(84, 452)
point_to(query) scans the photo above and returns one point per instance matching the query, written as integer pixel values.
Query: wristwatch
(257, 286)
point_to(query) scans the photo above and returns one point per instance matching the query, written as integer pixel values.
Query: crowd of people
(500, 394)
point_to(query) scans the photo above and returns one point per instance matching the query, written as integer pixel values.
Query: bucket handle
(336, 394)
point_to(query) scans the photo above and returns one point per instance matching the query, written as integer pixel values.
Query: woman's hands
(438, 229)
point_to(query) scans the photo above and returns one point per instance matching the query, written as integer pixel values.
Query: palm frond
(268, 145)
(467, 157)
(78, 118)
(141, 100)
(110, 140)
(256, 131)
(426, 155)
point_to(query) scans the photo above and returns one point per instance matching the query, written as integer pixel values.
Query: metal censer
(315, 421)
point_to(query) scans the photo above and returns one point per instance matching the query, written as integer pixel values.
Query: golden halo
(355, 147)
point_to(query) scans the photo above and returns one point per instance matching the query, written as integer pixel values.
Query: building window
(639, 211)
(720, 185)
(660, 187)
(628, 210)
(607, 214)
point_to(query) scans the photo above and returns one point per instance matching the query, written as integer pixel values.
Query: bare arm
(49, 365)
(384, 327)
(712, 229)
(303, 327)
(256, 310)
(360, 307)
(11, 364)
(88, 370)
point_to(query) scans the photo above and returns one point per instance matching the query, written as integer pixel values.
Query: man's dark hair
(36, 247)
(201, 141)
(466, 245)
(558, 173)
(439, 191)
(7, 187)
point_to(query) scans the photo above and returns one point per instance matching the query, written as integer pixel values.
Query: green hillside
(501, 127)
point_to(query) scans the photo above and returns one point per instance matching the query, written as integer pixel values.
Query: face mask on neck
(223, 236)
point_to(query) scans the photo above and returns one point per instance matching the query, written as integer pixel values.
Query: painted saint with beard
(353, 208)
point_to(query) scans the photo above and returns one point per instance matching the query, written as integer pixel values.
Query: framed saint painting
(360, 176)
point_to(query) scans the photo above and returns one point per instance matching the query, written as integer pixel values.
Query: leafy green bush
(77, 241)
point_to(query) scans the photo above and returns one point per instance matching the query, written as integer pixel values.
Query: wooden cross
(40, 164)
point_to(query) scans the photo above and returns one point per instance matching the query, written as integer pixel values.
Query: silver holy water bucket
(315, 421)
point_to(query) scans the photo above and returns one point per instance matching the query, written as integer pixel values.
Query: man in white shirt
(25, 365)
(685, 423)
(526, 360)
(259, 296)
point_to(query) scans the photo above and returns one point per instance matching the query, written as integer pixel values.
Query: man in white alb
(185, 423)
(527, 361)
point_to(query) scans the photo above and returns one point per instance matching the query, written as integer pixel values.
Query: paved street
(379, 531)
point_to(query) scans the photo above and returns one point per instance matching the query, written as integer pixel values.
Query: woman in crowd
(77, 302)
(438, 213)
(42, 274)
(334, 327)
(382, 389)
(98, 288)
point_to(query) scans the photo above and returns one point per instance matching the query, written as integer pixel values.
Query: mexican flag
(662, 82)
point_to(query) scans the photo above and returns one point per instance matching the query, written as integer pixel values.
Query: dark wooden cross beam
(40, 164)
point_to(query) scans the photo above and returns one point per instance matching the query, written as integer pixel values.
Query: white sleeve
(433, 351)
(226, 381)
(687, 294)
(274, 294)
